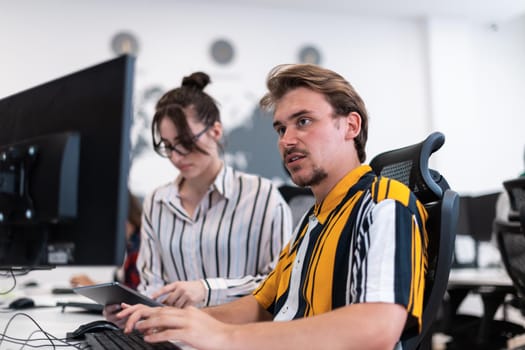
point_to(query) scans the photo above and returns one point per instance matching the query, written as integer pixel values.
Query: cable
(26, 342)
(14, 283)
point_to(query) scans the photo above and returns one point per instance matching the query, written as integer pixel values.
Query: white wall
(415, 75)
(477, 86)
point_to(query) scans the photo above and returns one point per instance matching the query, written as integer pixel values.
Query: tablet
(115, 293)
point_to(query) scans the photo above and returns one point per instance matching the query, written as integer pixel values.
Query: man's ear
(353, 123)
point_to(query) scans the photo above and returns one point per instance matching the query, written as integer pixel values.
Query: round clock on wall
(125, 43)
(222, 51)
(309, 54)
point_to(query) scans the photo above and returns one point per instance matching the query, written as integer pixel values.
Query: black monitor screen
(476, 215)
(64, 162)
(482, 211)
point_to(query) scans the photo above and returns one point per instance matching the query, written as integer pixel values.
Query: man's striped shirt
(366, 242)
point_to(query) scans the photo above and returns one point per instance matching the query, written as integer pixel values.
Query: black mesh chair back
(522, 218)
(511, 243)
(299, 199)
(511, 235)
(409, 165)
(516, 191)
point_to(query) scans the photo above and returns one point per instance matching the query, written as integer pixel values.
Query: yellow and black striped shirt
(366, 242)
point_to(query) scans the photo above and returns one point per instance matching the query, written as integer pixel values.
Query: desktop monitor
(476, 216)
(482, 212)
(64, 163)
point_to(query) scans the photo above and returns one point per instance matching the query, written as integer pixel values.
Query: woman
(214, 233)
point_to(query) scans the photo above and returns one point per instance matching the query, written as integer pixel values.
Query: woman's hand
(182, 293)
(110, 313)
(81, 280)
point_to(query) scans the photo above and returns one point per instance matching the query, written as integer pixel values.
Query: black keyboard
(109, 339)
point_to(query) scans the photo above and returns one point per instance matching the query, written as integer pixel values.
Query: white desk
(50, 319)
(479, 277)
(492, 285)
(487, 283)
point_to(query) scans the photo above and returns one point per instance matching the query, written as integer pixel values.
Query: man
(352, 276)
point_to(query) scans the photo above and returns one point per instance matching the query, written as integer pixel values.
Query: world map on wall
(250, 146)
(255, 142)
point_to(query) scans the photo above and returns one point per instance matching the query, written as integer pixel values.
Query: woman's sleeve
(276, 233)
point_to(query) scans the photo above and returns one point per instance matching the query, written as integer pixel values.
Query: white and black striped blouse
(231, 243)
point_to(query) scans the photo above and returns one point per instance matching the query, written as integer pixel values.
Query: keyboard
(110, 339)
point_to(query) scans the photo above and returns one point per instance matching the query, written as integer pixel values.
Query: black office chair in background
(483, 332)
(511, 239)
(470, 331)
(299, 199)
(409, 165)
(516, 190)
(522, 217)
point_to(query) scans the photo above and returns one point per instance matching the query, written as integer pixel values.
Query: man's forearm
(360, 326)
(243, 310)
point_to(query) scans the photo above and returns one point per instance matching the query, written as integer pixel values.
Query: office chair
(510, 236)
(484, 331)
(516, 190)
(522, 218)
(299, 199)
(511, 243)
(467, 330)
(409, 165)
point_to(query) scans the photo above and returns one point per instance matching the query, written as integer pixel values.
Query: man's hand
(172, 324)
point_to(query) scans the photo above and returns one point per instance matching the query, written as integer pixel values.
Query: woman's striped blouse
(231, 243)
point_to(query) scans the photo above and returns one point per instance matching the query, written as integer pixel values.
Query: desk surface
(479, 277)
(23, 323)
(26, 324)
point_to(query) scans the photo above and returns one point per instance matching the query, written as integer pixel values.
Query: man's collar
(334, 197)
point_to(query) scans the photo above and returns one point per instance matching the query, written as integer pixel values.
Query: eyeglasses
(164, 149)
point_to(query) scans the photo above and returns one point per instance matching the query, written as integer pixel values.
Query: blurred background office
(454, 66)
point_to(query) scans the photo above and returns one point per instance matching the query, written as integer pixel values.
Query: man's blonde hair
(337, 91)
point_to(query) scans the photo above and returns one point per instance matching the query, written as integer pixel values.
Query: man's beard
(314, 179)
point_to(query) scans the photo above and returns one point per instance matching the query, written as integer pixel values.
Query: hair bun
(197, 80)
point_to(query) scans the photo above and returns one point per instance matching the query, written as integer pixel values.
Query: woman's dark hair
(189, 95)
